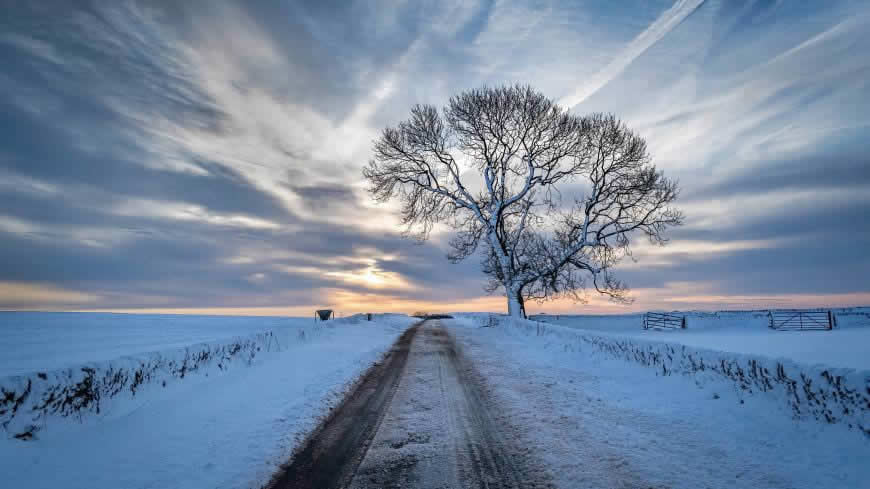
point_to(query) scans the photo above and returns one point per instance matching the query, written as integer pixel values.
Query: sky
(206, 157)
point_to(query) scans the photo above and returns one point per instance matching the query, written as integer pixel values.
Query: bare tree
(494, 164)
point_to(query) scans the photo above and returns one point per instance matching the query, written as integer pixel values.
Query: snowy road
(421, 419)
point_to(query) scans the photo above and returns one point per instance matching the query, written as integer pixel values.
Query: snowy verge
(744, 332)
(47, 341)
(216, 427)
(831, 395)
(30, 403)
(598, 420)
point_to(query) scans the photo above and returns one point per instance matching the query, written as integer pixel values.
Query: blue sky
(208, 157)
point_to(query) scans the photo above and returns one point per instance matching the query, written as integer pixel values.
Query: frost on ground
(216, 427)
(600, 421)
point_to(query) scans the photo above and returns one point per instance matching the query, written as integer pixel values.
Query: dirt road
(420, 419)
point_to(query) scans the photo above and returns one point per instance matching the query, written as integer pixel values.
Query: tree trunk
(516, 304)
(514, 308)
(522, 304)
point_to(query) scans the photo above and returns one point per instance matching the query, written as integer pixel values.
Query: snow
(600, 421)
(745, 332)
(31, 341)
(216, 428)
(600, 401)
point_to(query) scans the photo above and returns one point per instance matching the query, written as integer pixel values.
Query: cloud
(181, 157)
(35, 48)
(652, 34)
(647, 256)
(326, 198)
(30, 295)
(181, 211)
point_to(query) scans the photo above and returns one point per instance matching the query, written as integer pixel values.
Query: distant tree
(494, 164)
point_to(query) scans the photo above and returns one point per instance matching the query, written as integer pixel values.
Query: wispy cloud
(178, 156)
(28, 295)
(180, 211)
(652, 34)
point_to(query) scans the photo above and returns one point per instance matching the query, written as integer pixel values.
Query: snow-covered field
(601, 416)
(31, 341)
(225, 424)
(746, 332)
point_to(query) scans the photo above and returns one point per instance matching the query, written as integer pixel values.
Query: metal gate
(663, 320)
(801, 320)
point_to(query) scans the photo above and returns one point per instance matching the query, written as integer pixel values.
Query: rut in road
(329, 457)
(432, 426)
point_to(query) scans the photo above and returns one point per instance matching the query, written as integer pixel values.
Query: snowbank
(229, 421)
(831, 395)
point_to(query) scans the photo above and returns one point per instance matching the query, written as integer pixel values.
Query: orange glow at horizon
(672, 296)
(347, 303)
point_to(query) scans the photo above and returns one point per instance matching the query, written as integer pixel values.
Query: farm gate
(664, 320)
(788, 319)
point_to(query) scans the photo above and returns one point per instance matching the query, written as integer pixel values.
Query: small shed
(323, 314)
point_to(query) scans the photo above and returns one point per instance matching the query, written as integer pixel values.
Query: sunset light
(450, 244)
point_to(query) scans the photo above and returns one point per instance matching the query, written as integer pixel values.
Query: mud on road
(419, 419)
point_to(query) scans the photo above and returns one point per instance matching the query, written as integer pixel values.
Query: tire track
(428, 425)
(331, 454)
(477, 454)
